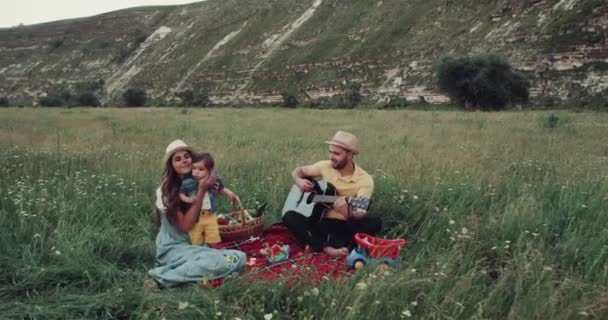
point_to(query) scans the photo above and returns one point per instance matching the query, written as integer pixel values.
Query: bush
(121, 55)
(289, 99)
(351, 96)
(134, 97)
(395, 102)
(4, 102)
(88, 99)
(579, 97)
(55, 44)
(483, 82)
(551, 121)
(548, 102)
(51, 101)
(194, 98)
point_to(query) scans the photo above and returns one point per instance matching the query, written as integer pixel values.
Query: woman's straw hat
(173, 147)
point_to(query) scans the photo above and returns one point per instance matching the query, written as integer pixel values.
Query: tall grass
(504, 214)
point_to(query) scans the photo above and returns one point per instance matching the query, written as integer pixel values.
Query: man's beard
(339, 165)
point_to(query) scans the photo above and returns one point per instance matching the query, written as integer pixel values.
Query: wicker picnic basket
(243, 230)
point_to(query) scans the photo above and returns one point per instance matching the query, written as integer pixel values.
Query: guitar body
(303, 202)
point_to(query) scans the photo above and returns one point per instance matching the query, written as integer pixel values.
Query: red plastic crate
(378, 248)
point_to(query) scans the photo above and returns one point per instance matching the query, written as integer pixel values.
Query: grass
(504, 214)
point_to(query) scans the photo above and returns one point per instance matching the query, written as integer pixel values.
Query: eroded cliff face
(252, 50)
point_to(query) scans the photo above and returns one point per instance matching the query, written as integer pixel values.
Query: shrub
(4, 102)
(395, 102)
(482, 82)
(55, 44)
(351, 96)
(88, 99)
(289, 99)
(194, 98)
(134, 97)
(551, 121)
(51, 101)
(548, 102)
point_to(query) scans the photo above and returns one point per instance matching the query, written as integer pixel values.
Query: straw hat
(173, 147)
(345, 140)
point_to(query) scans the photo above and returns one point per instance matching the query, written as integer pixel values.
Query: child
(206, 229)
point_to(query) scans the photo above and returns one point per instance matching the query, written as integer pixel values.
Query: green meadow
(504, 212)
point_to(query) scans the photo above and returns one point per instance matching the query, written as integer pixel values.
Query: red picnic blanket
(298, 267)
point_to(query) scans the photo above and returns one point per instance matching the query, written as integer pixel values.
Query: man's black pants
(329, 232)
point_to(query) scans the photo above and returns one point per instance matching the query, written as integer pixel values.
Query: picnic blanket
(300, 266)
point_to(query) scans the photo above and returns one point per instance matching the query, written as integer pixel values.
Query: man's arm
(300, 174)
(365, 191)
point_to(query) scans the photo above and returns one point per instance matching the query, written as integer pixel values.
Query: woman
(178, 260)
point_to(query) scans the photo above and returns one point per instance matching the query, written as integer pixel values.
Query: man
(334, 233)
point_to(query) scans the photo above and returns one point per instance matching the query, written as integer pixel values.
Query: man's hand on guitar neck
(342, 207)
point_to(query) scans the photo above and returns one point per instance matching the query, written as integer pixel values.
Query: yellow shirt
(359, 184)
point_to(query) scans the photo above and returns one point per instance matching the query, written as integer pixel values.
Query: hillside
(249, 51)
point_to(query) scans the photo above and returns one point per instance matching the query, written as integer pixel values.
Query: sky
(15, 12)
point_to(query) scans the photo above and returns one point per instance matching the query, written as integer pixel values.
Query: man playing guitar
(334, 232)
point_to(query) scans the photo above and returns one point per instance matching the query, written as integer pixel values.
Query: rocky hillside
(251, 50)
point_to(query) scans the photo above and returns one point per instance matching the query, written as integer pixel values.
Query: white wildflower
(361, 285)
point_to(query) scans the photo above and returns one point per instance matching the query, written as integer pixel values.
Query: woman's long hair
(169, 187)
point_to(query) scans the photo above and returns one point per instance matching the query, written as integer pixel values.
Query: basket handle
(234, 211)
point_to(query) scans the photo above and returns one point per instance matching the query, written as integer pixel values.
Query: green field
(504, 212)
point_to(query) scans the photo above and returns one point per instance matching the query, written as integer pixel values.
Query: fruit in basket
(222, 221)
(248, 217)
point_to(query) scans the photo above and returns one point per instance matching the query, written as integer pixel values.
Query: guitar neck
(325, 199)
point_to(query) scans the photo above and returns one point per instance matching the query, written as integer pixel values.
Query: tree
(290, 98)
(88, 99)
(196, 97)
(134, 97)
(482, 82)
